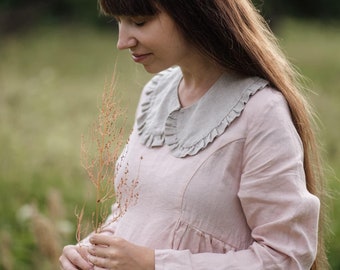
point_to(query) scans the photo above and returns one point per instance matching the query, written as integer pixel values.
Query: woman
(230, 176)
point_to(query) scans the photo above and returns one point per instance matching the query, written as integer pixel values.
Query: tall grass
(51, 80)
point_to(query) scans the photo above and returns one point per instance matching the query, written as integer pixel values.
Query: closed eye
(141, 20)
(139, 23)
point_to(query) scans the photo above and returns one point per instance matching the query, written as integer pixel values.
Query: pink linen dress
(221, 183)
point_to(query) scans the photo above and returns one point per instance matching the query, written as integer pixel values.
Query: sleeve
(281, 213)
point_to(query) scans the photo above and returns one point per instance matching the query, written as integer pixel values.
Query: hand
(75, 258)
(110, 252)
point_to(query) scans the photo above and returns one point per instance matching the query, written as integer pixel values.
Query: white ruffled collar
(188, 130)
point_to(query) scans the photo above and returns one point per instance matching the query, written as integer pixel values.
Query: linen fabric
(221, 183)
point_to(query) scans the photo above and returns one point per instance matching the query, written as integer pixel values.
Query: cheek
(178, 41)
(179, 49)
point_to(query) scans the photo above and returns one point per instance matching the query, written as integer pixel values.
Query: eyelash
(138, 23)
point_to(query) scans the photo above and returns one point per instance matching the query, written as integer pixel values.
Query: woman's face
(154, 42)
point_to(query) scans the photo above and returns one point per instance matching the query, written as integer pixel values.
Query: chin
(154, 70)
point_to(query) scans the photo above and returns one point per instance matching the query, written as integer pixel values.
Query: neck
(197, 80)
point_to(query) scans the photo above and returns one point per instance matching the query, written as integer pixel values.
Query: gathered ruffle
(171, 130)
(148, 134)
(188, 130)
(149, 139)
(197, 241)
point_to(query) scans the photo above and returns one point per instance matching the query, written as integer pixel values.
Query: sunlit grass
(51, 80)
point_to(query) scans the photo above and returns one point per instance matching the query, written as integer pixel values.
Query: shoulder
(267, 117)
(265, 99)
(267, 104)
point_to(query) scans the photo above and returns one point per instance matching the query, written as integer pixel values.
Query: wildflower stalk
(99, 153)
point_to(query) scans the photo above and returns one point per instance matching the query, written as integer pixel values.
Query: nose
(126, 38)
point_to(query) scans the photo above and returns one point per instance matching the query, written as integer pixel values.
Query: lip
(138, 58)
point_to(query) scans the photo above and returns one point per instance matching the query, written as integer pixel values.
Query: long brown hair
(235, 35)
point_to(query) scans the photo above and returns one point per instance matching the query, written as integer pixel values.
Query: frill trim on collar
(186, 131)
(157, 100)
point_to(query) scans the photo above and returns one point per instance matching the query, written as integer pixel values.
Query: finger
(104, 252)
(100, 268)
(99, 239)
(65, 264)
(104, 240)
(72, 257)
(98, 262)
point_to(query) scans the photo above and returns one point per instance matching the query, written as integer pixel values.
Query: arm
(281, 213)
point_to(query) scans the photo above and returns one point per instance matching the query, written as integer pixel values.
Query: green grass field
(51, 80)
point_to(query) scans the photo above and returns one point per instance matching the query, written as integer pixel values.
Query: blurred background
(55, 58)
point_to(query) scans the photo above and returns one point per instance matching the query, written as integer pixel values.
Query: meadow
(51, 80)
